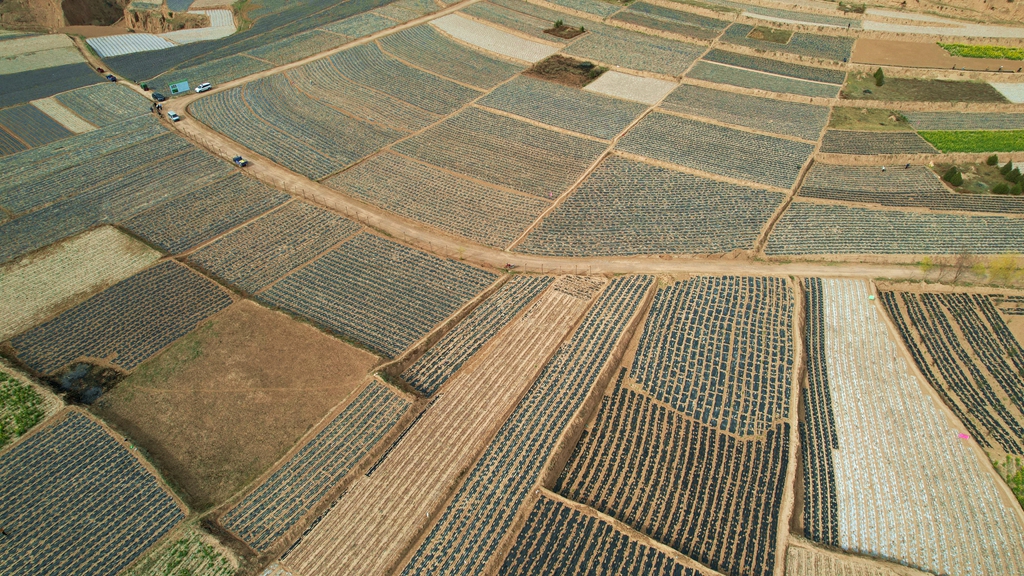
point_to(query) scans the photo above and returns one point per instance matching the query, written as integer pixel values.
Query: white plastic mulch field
(629, 87)
(1013, 92)
(493, 40)
(222, 24)
(908, 487)
(119, 44)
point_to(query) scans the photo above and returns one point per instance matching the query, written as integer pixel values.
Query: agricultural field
(968, 354)
(249, 362)
(755, 80)
(30, 126)
(21, 406)
(105, 104)
(917, 186)
(595, 7)
(23, 87)
(717, 149)
(835, 48)
(869, 389)
(192, 551)
(291, 492)
(976, 141)
(264, 250)
(469, 530)
(861, 86)
(72, 481)
(664, 19)
(298, 47)
(564, 107)
(204, 213)
(445, 358)
(63, 115)
(421, 192)
(813, 228)
(964, 121)
(426, 48)
(522, 16)
(64, 274)
(558, 539)
(852, 118)
(380, 516)
(975, 51)
(626, 207)
(628, 49)
(379, 293)
(761, 64)
(492, 39)
(505, 152)
(126, 323)
(33, 52)
(775, 116)
(871, 142)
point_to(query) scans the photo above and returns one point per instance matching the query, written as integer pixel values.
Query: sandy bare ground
(924, 55)
(378, 519)
(94, 31)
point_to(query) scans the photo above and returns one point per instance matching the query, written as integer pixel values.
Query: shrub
(1013, 175)
(1001, 188)
(1006, 168)
(879, 77)
(953, 176)
(992, 160)
(558, 23)
(1018, 189)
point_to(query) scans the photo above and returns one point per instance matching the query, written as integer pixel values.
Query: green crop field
(976, 141)
(972, 51)
(21, 408)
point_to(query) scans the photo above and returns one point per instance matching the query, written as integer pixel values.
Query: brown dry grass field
(224, 403)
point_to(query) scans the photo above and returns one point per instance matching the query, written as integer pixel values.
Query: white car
(203, 87)
(173, 116)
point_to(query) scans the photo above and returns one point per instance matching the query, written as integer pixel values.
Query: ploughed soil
(565, 70)
(861, 86)
(223, 404)
(925, 55)
(564, 31)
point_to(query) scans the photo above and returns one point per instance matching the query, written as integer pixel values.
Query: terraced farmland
(381, 515)
(917, 186)
(963, 348)
(712, 496)
(426, 48)
(626, 207)
(964, 120)
(445, 358)
(727, 338)
(31, 126)
(851, 142)
(291, 492)
(487, 214)
(664, 19)
(113, 201)
(879, 485)
(199, 215)
(378, 292)
(470, 529)
(65, 274)
(811, 228)
(505, 152)
(836, 48)
(192, 552)
(105, 104)
(564, 107)
(264, 250)
(717, 149)
(744, 78)
(761, 64)
(21, 407)
(126, 323)
(522, 16)
(298, 47)
(558, 539)
(72, 482)
(776, 116)
(619, 47)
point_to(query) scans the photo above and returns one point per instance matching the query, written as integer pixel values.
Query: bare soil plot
(224, 403)
(565, 70)
(373, 524)
(920, 55)
(873, 119)
(64, 274)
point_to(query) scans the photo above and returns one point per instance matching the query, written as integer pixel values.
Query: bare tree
(962, 263)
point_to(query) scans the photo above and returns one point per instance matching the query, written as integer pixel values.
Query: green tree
(1013, 175)
(992, 160)
(1006, 168)
(1001, 188)
(879, 77)
(953, 176)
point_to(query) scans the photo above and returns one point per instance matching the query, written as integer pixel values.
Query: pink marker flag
(963, 436)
